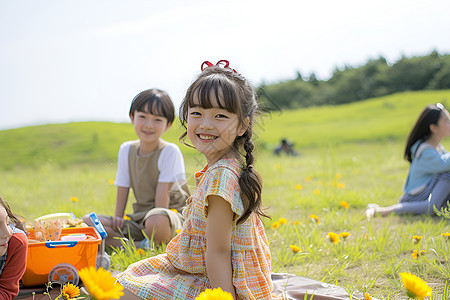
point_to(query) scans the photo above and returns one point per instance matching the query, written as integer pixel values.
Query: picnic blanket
(296, 287)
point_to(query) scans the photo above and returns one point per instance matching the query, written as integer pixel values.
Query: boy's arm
(162, 194)
(218, 244)
(121, 203)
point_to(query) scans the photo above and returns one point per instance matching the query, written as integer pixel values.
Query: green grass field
(350, 153)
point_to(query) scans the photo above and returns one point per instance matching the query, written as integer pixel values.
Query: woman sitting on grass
(428, 182)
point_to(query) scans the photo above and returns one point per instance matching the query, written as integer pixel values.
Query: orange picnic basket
(59, 261)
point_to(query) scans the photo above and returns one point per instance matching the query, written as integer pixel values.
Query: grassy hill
(379, 119)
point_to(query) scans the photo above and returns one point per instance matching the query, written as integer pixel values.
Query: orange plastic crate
(41, 259)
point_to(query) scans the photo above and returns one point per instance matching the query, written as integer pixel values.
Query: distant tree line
(376, 78)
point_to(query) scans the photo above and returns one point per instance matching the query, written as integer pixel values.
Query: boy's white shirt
(170, 166)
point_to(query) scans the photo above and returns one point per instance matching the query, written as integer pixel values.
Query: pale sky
(85, 60)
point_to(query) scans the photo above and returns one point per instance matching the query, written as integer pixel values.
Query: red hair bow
(218, 64)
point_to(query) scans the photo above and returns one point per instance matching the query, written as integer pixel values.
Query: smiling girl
(222, 242)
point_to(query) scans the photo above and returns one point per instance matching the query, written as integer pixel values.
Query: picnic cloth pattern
(180, 273)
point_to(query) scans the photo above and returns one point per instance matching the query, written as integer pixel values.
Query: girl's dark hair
(421, 130)
(14, 219)
(238, 98)
(155, 102)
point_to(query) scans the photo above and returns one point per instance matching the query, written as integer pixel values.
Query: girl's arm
(162, 195)
(121, 203)
(434, 161)
(218, 244)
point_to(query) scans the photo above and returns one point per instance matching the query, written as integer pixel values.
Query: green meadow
(350, 155)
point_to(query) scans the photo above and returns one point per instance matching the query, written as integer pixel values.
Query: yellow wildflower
(111, 181)
(446, 235)
(316, 192)
(308, 179)
(334, 238)
(415, 254)
(344, 235)
(214, 294)
(344, 204)
(282, 220)
(100, 284)
(298, 187)
(423, 252)
(367, 296)
(341, 185)
(276, 224)
(174, 210)
(297, 223)
(415, 287)
(416, 238)
(141, 251)
(314, 218)
(295, 249)
(178, 231)
(125, 217)
(70, 291)
(338, 176)
(74, 199)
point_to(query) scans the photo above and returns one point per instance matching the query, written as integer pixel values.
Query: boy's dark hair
(155, 102)
(238, 98)
(421, 130)
(14, 219)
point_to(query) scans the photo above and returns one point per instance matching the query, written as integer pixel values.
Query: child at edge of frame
(13, 252)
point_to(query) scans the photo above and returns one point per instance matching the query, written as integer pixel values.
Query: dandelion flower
(141, 251)
(423, 252)
(174, 210)
(344, 204)
(415, 254)
(178, 231)
(70, 291)
(282, 220)
(295, 249)
(334, 238)
(446, 235)
(314, 218)
(214, 294)
(415, 287)
(125, 217)
(308, 179)
(341, 185)
(416, 238)
(344, 235)
(276, 224)
(297, 223)
(74, 199)
(316, 192)
(338, 176)
(298, 187)
(111, 181)
(100, 284)
(367, 296)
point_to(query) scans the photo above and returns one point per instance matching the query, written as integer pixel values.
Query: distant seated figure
(428, 183)
(285, 147)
